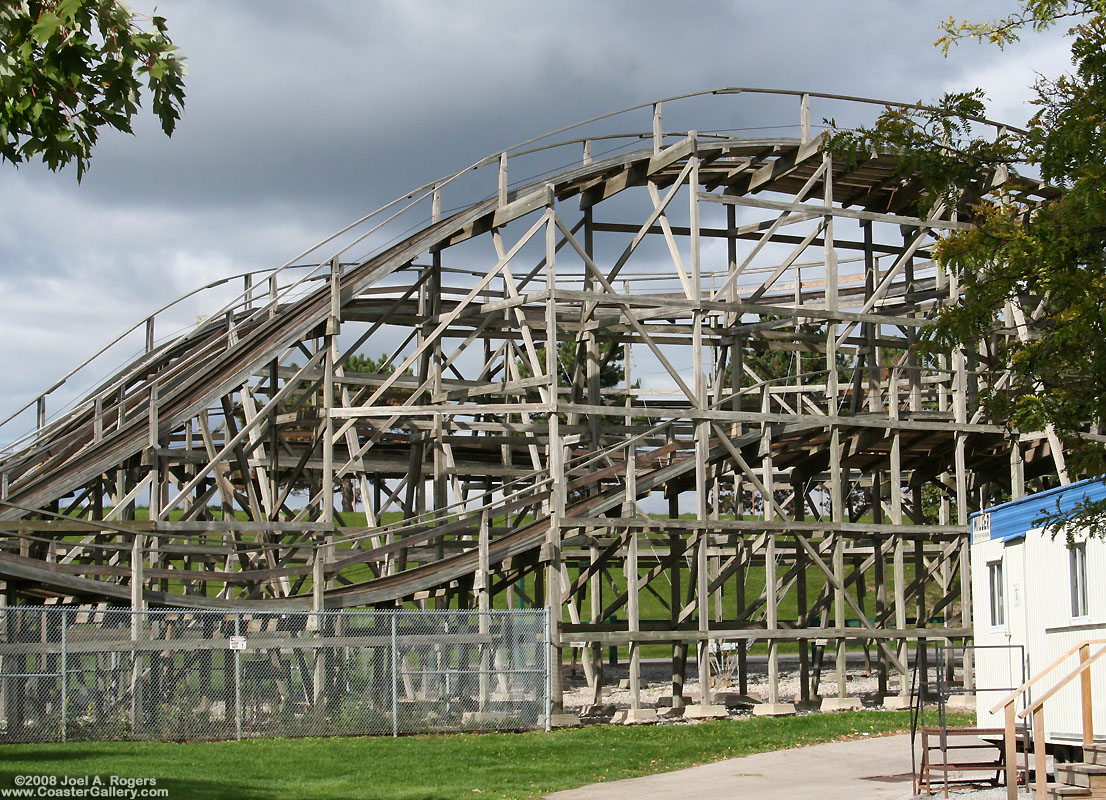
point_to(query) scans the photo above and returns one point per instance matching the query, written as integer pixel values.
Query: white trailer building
(1035, 596)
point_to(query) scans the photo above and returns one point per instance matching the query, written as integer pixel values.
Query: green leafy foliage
(367, 364)
(69, 68)
(1088, 515)
(936, 145)
(611, 371)
(1035, 14)
(1041, 261)
(791, 363)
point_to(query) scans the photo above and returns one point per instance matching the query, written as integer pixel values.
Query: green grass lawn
(525, 765)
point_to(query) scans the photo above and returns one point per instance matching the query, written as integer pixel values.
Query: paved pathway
(863, 769)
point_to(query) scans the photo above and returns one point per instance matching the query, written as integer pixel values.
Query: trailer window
(1077, 561)
(998, 608)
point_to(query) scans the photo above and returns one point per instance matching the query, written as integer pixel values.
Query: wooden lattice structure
(758, 305)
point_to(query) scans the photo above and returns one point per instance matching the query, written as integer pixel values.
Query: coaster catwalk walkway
(663, 382)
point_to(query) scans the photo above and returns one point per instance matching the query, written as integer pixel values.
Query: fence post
(238, 680)
(548, 670)
(395, 678)
(64, 674)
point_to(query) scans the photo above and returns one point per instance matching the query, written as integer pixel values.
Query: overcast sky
(302, 117)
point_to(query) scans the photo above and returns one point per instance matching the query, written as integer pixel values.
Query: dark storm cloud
(341, 107)
(302, 117)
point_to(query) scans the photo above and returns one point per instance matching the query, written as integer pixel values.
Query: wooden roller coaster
(672, 369)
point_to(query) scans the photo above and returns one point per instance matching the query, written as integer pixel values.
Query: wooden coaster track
(678, 368)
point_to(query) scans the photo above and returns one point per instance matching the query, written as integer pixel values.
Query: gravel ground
(657, 677)
(657, 683)
(976, 794)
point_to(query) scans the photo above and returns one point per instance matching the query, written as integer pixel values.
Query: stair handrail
(1037, 709)
(1084, 663)
(1014, 695)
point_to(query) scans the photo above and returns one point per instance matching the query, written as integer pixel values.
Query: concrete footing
(635, 716)
(704, 712)
(841, 703)
(896, 702)
(564, 721)
(773, 709)
(961, 702)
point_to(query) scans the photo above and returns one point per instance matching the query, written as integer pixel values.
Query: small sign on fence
(237, 642)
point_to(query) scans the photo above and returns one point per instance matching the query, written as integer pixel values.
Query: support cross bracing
(672, 394)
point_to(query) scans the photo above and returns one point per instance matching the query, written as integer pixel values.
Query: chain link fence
(69, 673)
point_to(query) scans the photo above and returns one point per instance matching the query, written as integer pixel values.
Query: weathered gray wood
(517, 472)
(756, 202)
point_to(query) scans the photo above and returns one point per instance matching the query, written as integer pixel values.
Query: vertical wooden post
(702, 445)
(960, 417)
(138, 604)
(330, 358)
(744, 558)
(637, 713)
(798, 512)
(1017, 467)
(1040, 756)
(679, 649)
(898, 557)
(482, 584)
(634, 622)
(804, 118)
(318, 579)
(920, 616)
(593, 379)
(592, 657)
(771, 612)
(837, 479)
(315, 621)
(839, 620)
(881, 609)
(771, 608)
(555, 461)
(155, 456)
(1085, 691)
(1010, 745)
(658, 128)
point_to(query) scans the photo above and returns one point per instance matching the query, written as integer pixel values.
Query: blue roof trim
(1011, 520)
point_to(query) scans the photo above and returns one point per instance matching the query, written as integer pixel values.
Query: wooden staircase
(1085, 779)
